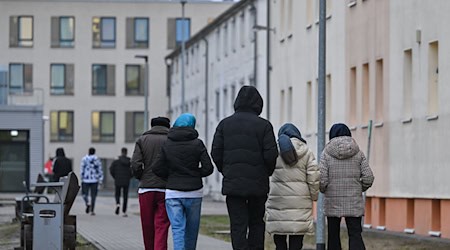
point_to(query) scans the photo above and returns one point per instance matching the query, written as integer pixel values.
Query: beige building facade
(385, 63)
(79, 56)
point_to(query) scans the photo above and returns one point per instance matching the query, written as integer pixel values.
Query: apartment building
(383, 64)
(218, 60)
(79, 58)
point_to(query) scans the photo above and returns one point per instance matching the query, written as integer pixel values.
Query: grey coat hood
(342, 147)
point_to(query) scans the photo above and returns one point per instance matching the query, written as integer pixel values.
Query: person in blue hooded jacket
(178, 162)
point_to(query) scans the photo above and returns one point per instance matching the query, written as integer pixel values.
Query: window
(20, 78)
(135, 81)
(104, 32)
(233, 35)
(103, 126)
(251, 23)
(61, 126)
(242, 28)
(407, 83)
(62, 32)
(433, 79)
(328, 102)
(379, 93)
(217, 105)
(21, 31)
(365, 94)
(137, 32)
(282, 106)
(134, 125)
(289, 105)
(309, 106)
(103, 79)
(177, 31)
(61, 79)
(225, 40)
(233, 96)
(218, 44)
(353, 98)
(225, 102)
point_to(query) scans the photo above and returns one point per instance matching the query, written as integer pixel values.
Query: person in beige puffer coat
(294, 186)
(344, 175)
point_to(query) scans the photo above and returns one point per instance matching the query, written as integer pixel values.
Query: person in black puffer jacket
(245, 152)
(121, 172)
(179, 161)
(62, 166)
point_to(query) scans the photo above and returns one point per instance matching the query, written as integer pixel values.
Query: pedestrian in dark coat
(344, 175)
(178, 162)
(245, 152)
(62, 166)
(154, 220)
(121, 172)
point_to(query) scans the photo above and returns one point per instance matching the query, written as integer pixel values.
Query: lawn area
(217, 226)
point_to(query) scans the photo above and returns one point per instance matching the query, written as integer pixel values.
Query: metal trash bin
(48, 226)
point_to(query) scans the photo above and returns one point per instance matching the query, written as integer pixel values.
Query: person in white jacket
(91, 177)
(294, 186)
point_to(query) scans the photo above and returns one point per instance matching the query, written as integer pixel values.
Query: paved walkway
(107, 230)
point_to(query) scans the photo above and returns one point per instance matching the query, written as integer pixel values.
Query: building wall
(83, 56)
(27, 118)
(230, 65)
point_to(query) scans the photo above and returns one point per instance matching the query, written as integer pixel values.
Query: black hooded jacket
(244, 147)
(62, 166)
(179, 160)
(120, 170)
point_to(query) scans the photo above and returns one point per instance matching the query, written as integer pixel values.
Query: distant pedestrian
(91, 177)
(62, 166)
(293, 188)
(154, 220)
(48, 169)
(121, 172)
(179, 163)
(245, 152)
(344, 175)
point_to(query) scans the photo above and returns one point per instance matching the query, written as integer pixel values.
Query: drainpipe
(255, 62)
(206, 89)
(269, 67)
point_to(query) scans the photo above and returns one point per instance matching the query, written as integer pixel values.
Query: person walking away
(48, 169)
(120, 170)
(245, 152)
(344, 175)
(62, 166)
(179, 163)
(294, 186)
(154, 220)
(91, 177)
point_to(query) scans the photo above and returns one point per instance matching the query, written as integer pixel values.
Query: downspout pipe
(269, 67)
(206, 89)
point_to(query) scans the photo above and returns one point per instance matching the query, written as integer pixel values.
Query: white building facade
(222, 57)
(80, 56)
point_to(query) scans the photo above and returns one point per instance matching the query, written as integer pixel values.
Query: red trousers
(154, 220)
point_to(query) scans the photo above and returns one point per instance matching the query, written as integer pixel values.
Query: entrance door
(14, 160)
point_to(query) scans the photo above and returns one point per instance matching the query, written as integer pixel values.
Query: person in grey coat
(344, 175)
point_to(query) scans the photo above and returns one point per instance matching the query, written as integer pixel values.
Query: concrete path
(107, 230)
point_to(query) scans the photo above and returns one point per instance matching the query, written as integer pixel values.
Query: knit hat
(160, 121)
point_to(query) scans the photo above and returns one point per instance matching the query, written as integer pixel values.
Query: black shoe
(117, 209)
(87, 208)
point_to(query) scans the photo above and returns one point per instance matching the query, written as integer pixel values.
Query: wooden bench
(51, 221)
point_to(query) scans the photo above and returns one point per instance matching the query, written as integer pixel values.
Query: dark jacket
(244, 147)
(62, 166)
(179, 160)
(145, 152)
(121, 171)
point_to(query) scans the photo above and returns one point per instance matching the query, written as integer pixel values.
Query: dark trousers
(247, 213)
(154, 220)
(125, 197)
(354, 228)
(85, 189)
(295, 242)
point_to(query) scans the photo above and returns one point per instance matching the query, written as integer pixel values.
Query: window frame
(58, 135)
(178, 43)
(19, 39)
(22, 88)
(103, 136)
(129, 92)
(93, 89)
(61, 40)
(147, 30)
